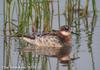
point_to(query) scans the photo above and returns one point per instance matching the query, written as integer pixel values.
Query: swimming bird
(56, 39)
(59, 39)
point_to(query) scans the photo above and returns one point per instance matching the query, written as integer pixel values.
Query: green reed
(7, 41)
(58, 14)
(46, 15)
(94, 6)
(38, 15)
(44, 63)
(89, 32)
(52, 12)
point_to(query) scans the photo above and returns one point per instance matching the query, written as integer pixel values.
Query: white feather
(65, 33)
(27, 39)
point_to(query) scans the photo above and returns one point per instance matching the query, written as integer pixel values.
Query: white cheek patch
(65, 33)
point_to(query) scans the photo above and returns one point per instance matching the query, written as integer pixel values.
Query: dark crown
(65, 28)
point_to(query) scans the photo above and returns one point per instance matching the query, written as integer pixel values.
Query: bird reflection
(62, 54)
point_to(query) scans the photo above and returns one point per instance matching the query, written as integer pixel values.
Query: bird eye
(66, 28)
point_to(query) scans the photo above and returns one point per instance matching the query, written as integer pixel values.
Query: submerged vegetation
(27, 16)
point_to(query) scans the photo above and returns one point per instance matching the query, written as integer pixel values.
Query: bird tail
(27, 38)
